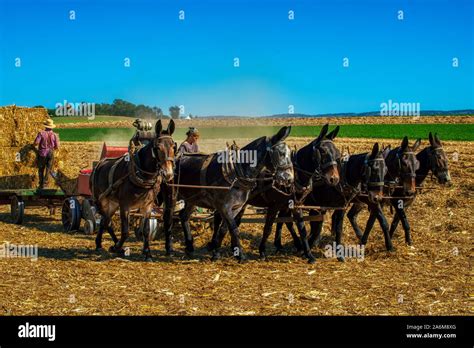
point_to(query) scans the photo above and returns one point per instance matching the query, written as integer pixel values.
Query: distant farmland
(464, 132)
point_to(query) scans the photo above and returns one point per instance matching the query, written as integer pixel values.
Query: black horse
(224, 170)
(316, 161)
(360, 173)
(402, 165)
(432, 158)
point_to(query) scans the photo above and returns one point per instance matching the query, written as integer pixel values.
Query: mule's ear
(158, 128)
(416, 144)
(323, 133)
(333, 133)
(171, 127)
(375, 150)
(385, 152)
(281, 135)
(430, 137)
(404, 143)
(438, 141)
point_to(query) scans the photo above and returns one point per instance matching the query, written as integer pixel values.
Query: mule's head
(407, 165)
(373, 173)
(438, 160)
(327, 155)
(278, 160)
(164, 149)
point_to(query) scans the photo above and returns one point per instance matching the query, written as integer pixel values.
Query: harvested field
(267, 121)
(433, 277)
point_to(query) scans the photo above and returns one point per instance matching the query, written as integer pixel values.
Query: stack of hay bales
(19, 127)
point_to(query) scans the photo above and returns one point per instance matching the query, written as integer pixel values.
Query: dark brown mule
(132, 182)
(402, 165)
(432, 158)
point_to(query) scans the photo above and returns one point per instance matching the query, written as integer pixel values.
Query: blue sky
(282, 62)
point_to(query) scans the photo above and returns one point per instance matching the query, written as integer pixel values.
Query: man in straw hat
(190, 145)
(47, 141)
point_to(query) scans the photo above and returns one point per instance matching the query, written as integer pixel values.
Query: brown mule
(132, 182)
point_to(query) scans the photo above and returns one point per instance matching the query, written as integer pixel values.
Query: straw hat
(192, 131)
(49, 123)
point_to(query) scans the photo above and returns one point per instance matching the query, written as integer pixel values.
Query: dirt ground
(432, 277)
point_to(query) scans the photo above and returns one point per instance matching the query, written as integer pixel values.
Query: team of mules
(285, 183)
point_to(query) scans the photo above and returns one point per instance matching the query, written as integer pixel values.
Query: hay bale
(18, 156)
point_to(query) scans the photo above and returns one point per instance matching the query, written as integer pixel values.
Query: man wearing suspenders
(47, 141)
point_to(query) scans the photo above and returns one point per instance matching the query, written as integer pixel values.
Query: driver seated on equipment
(190, 145)
(143, 135)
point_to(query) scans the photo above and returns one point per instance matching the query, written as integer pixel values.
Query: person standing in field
(190, 145)
(47, 141)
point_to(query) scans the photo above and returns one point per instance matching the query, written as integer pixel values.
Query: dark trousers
(45, 164)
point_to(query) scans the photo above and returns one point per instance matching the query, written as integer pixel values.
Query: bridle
(399, 154)
(146, 179)
(367, 173)
(433, 160)
(239, 176)
(317, 174)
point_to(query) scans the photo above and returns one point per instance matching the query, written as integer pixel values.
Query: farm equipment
(80, 206)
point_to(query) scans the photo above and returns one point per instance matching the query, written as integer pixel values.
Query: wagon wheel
(89, 227)
(88, 214)
(71, 214)
(148, 227)
(17, 210)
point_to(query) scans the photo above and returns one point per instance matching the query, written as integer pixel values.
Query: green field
(390, 131)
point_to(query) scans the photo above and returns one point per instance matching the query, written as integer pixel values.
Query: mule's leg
(400, 212)
(267, 230)
(394, 224)
(352, 216)
(384, 225)
(316, 229)
(228, 215)
(184, 216)
(224, 228)
(298, 216)
(294, 235)
(277, 241)
(212, 245)
(124, 220)
(337, 226)
(147, 238)
(98, 238)
(368, 226)
(168, 210)
(289, 226)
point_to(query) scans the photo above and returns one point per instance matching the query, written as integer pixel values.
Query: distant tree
(123, 108)
(174, 112)
(158, 112)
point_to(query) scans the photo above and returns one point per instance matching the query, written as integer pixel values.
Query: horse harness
(135, 173)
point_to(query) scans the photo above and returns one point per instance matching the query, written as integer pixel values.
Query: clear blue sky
(282, 62)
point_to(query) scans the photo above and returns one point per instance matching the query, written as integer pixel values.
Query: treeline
(120, 107)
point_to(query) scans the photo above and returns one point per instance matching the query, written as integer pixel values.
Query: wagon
(20, 199)
(80, 205)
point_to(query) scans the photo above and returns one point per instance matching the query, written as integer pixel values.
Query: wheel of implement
(17, 210)
(71, 214)
(88, 214)
(89, 227)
